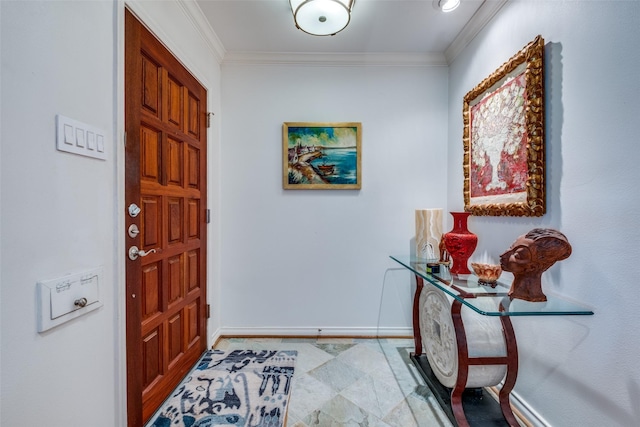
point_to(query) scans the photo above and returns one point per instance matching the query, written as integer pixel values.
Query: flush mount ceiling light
(447, 5)
(321, 17)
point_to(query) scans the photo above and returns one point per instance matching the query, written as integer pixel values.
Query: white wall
(58, 210)
(574, 371)
(294, 261)
(61, 212)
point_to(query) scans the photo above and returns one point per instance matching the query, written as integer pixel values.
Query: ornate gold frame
(313, 145)
(527, 66)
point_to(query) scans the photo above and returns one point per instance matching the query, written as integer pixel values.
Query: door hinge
(208, 311)
(208, 216)
(125, 139)
(209, 115)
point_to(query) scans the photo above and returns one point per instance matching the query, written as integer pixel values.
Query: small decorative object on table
(444, 255)
(460, 243)
(433, 267)
(487, 273)
(530, 256)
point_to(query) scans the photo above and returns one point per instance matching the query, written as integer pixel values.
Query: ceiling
(377, 26)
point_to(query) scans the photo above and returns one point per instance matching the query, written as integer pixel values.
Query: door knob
(134, 252)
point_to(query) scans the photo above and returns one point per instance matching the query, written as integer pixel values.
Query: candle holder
(487, 273)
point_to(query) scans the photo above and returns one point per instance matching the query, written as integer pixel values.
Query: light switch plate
(67, 297)
(76, 137)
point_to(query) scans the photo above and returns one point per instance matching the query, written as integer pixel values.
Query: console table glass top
(487, 300)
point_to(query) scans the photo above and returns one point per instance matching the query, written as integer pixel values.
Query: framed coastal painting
(321, 156)
(503, 137)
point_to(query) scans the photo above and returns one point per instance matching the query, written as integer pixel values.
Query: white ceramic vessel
(484, 338)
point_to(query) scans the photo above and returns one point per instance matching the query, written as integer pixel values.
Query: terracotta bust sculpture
(531, 255)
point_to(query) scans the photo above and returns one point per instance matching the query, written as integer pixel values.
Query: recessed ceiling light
(446, 5)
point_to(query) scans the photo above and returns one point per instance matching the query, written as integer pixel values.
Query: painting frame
(306, 146)
(504, 114)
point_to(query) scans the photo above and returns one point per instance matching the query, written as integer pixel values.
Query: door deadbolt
(133, 231)
(134, 210)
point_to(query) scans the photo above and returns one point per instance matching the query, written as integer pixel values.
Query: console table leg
(463, 365)
(417, 337)
(511, 361)
(512, 370)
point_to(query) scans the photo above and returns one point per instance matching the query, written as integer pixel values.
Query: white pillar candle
(428, 233)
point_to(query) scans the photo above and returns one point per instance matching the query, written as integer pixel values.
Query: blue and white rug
(233, 388)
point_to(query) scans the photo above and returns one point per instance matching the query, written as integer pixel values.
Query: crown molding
(478, 21)
(336, 59)
(201, 24)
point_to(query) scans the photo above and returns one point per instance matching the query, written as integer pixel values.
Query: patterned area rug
(234, 388)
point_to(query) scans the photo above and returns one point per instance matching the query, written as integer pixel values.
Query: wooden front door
(165, 160)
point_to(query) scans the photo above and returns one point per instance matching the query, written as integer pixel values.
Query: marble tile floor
(352, 382)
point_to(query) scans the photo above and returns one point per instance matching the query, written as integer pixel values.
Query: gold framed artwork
(504, 144)
(321, 156)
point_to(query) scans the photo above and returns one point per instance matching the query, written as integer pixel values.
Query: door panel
(150, 150)
(192, 227)
(176, 279)
(193, 165)
(152, 356)
(151, 290)
(151, 84)
(175, 168)
(166, 177)
(175, 103)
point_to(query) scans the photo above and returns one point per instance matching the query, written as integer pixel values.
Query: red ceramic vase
(460, 243)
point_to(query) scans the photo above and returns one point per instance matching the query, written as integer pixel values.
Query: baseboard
(214, 338)
(528, 413)
(528, 416)
(313, 332)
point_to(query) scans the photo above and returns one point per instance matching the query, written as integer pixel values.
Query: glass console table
(486, 300)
